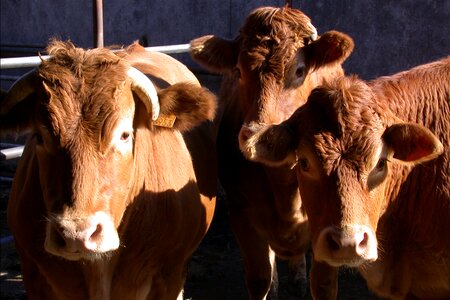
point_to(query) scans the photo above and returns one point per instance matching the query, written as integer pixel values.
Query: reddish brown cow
(373, 166)
(107, 203)
(269, 70)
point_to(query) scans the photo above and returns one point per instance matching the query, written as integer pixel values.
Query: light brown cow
(269, 70)
(373, 166)
(107, 203)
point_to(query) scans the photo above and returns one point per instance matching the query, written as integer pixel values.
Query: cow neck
(286, 197)
(162, 161)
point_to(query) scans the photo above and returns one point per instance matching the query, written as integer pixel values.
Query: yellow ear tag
(165, 121)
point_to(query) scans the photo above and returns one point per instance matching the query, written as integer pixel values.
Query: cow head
(344, 145)
(274, 63)
(82, 110)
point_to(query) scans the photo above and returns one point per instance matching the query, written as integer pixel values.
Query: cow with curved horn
(269, 70)
(117, 183)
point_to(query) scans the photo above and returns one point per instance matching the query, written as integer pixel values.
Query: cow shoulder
(162, 69)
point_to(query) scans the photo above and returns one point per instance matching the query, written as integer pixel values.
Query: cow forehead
(275, 23)
(345, 124)
(272, 36)
(359, 151)
(85, 100)
(89, 117)
(269, 57)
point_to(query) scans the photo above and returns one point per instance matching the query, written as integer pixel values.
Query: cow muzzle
(82, 238)
(350, 246)
(248, 138)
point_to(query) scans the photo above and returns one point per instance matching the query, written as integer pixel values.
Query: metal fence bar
(4, 179)
(170, 49)
(11, 153)
(21, 62)
(33, 61)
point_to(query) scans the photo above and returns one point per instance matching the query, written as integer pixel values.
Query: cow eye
(382, 163)
(304, 164)
(125, 136)
(39, 139)
(300, 72)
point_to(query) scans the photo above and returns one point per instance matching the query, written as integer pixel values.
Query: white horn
(313, 35)
(145, 89)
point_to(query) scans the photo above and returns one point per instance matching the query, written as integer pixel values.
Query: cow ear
(412, 142)
(19, 118)
(17, 105)
(332, 47)
(187, 104)
(215, 54)
(274, 146)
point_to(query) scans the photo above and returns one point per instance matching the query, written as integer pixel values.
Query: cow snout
(77, 238)
(246, 132)
(351, 246)
(247, 139)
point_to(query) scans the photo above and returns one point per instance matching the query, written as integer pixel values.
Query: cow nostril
(333, 242)
(58, 239)
(246, 133)
(96, 234)
(364, 241)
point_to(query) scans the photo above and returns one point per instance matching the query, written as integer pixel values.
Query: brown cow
(106, 203)
(269, 70)
(374, 196)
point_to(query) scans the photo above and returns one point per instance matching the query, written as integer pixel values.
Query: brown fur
(181, 99)
(335, 137)
(160, 195)
(269, 70)
(70, 79)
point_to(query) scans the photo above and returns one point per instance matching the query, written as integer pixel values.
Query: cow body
(373, 164)
(106, 204)
(269, 70)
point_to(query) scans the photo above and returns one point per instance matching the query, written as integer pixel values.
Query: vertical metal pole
(98, 21)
